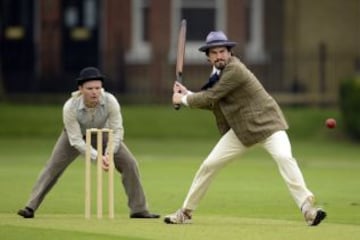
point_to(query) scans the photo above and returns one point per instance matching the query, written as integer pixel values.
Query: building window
(255, 46)
(202, 16)
(140, 47)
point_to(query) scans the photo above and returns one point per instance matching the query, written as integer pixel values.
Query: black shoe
(320, 215)
(26, 212)
(144, 215)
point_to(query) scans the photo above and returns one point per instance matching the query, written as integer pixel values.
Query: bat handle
(177, 106)
(179, 79)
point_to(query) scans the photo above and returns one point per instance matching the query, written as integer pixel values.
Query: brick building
(299, 49)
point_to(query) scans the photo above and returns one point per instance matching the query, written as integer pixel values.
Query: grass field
(248, 199)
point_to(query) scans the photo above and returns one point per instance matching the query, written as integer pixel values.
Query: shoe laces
(182, 216)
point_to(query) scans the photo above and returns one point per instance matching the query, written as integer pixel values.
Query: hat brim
(217, 44)
(81, 81)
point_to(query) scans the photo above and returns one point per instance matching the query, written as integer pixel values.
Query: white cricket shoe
(179, 217)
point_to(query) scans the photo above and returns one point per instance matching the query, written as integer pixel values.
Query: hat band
(217, 41)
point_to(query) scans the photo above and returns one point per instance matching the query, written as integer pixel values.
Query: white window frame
(140, 51)
(192, 54)
(255, 48)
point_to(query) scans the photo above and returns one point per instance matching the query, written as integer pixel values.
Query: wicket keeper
(90, 107)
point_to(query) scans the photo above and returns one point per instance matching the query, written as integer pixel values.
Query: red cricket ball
(330, 123)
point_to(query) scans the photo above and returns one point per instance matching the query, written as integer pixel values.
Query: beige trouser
(64, 154)
(228, 147)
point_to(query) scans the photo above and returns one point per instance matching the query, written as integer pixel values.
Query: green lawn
(248, 199)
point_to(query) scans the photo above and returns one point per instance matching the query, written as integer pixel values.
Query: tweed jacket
(240, 102)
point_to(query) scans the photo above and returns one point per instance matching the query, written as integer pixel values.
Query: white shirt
(77, 118)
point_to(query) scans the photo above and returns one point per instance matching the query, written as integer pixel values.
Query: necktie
(212, 80)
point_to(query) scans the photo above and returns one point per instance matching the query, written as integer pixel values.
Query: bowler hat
(216, 39)
(88, 74)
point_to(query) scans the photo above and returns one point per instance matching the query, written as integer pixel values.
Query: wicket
(110, 146)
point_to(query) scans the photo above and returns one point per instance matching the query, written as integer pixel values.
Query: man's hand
(179, 88)
(105, 163)
(177, 98)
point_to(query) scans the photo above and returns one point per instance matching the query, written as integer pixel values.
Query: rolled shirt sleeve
(115, 122)
(184, 98)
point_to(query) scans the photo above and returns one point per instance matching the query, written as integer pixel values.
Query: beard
(220, 64)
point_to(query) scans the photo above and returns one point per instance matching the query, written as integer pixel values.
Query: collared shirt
(77, 118)
(215, 70)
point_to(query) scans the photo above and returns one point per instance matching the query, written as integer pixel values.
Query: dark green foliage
(350, 105)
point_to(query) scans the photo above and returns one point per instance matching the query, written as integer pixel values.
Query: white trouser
(229, 146)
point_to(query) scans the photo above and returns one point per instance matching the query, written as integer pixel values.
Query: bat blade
(181, 50)
(180, 55)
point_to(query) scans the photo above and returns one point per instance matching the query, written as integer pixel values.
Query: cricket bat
(180, 55)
